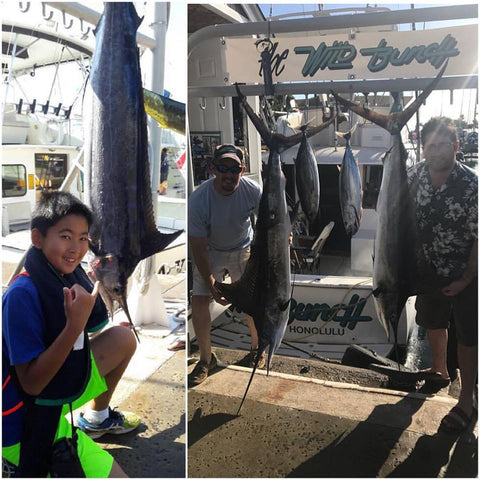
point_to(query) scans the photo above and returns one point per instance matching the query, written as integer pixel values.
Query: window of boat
(50, 170)
(14, 181)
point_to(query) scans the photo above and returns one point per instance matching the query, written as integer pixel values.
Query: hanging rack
(44, 14)
(64, 18)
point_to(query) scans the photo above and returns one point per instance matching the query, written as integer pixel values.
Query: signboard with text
(369, 55)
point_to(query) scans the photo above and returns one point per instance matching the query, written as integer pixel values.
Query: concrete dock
(295, 426)
(157, 448)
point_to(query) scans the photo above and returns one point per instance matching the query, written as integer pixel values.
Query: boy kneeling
(49, 364)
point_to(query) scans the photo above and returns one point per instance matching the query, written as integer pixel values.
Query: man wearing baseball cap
(219, 233)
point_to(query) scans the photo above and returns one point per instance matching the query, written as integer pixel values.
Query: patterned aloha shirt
(447, 217)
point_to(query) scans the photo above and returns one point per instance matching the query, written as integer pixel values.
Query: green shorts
(95, 461)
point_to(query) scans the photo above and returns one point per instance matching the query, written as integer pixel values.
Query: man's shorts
(435, 310)
(234, 262)
(96, 462)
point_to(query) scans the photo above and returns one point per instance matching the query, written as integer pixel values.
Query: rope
(311, 354)
(55, 75)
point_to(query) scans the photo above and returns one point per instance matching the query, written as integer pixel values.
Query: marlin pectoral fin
(244, 293)
(238, 295)
(157, 242)
(284, 305)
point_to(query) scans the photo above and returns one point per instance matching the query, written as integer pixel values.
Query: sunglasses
(236, 169)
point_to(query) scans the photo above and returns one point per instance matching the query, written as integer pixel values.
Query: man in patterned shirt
(446, 195)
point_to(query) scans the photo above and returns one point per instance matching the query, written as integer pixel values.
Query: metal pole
(159, 27)
(345, 86)
(417, 113)
(9, 79)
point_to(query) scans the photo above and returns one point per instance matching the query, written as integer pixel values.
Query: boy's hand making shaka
(78, 304)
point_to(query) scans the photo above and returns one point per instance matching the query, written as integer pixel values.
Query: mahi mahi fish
(350, 187)
(167, 112)
(398, 259)
(264, 290)
(117, 171)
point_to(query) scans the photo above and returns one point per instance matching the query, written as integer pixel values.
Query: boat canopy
(36, 47)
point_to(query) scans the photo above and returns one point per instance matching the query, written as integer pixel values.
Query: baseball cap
(228, 150)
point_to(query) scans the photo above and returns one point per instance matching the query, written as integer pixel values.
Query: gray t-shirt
(224, 219)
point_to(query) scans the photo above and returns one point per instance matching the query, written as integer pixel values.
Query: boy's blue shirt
(23, 328)
(23, 322)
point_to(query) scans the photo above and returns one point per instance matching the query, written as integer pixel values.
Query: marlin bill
(117, 170)
(398, 258)
(264, 290)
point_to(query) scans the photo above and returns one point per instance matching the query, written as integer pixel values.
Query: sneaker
(201, 371)
(116, 423)
(253, 356)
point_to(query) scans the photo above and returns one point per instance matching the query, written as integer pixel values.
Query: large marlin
(350, 187)
(397, 253)
(264, 290)
(117, 171)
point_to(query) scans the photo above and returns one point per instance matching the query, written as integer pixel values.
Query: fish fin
(157, 242)
(304, 127)
(284, 143)
(244, 292)
(262, 129)
(237, 295)
(376, 292)
(284, 306)
(347, 135)
(393, 122)
(93, 248)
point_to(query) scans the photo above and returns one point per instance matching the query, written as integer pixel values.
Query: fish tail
(393, 122)
(285, 143)
(262, 129)
(157, 242)
(347, 135)
(304, 127)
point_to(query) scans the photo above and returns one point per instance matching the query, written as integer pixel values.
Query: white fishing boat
(332, 304)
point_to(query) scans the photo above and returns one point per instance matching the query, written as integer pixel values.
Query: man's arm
(200, 257)
(468, 275)
(35, 375)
